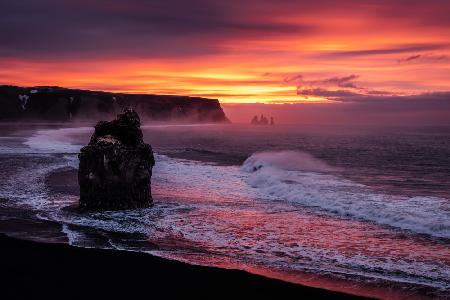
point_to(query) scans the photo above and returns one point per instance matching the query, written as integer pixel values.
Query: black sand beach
(42, 271)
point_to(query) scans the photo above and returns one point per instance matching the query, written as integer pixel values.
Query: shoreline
(55, 270)
(63, 181)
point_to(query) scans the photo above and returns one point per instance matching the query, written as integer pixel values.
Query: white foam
(286, 160)
(210, 207)
(56, 140)
(27, 187)
(72, 236)
(273, 173)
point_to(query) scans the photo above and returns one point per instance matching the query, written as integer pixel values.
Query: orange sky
(276, 52)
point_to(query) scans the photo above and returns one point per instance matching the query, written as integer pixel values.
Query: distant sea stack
(60, 105)
(262, 121)
(116, 167)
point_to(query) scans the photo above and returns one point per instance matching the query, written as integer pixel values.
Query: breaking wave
(284, 210)
(286, 160)
(298, 177)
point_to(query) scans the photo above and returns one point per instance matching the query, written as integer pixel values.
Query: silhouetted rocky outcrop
(116, 167)
(262, 121)
(60, 104)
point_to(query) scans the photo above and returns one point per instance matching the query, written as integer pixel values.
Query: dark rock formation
(262, 121)
(60, 104)
(116, 167)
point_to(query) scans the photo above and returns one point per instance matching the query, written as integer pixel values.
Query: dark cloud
(378, 93)
(339, 94)
(49, 28)
(320, 92)
(343, 89)
(332, 87)
(416, 110)
(425, 101)
(423, 57)
(148, 28)
(410, 58)
(293, 79)
(432, 13)
(392, 50)
(343, 82)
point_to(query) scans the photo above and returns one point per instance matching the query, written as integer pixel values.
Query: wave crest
(299, 178)
(285, 160)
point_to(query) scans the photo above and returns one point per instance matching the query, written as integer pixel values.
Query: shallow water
(367, 211)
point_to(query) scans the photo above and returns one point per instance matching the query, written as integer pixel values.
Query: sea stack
(116, 166)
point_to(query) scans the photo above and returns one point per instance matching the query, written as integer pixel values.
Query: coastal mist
(364, 210)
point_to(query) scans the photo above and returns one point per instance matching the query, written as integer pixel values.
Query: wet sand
(43, 275)
(192, 279)
(46, 271)
(63, 181)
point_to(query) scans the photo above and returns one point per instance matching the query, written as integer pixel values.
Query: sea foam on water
(300, 178)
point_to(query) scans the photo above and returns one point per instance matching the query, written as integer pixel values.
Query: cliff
(61, 104)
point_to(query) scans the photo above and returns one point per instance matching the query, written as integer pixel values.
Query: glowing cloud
(238, 52)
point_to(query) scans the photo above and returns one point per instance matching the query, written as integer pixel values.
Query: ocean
(360, 210)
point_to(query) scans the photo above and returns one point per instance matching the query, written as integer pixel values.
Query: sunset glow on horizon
(269, 52)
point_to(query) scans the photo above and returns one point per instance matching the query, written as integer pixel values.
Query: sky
(252, 51)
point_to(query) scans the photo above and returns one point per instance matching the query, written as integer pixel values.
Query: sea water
(363, 210)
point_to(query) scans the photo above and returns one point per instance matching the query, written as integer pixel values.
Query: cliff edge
(58, 104)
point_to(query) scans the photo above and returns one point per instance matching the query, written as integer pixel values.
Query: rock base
(116, 167)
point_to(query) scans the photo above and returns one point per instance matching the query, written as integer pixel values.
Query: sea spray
(286, 160)
(299, 178)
